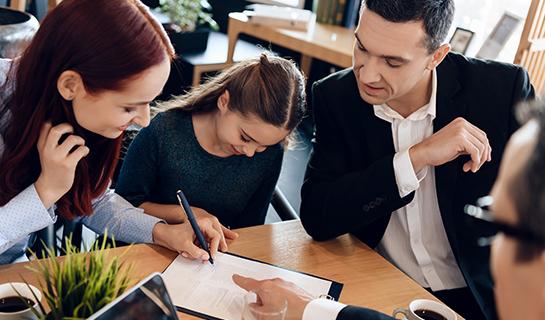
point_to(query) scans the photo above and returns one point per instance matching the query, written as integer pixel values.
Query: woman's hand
(58, 161)
(206, 218)
(173, 214)
(181, 238)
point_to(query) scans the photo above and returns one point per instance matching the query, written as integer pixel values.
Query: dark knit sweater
(166, 156)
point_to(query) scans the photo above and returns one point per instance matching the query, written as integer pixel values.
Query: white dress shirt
(322, 309)
(415, 239)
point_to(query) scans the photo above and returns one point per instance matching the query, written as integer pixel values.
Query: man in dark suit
(404, 140)
(517, 210)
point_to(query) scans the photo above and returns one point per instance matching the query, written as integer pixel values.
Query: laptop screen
(149, 299)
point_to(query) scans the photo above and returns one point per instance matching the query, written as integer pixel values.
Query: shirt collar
(386, 113)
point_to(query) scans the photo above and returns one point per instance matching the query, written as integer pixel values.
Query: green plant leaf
(188, 14)
(80, 284)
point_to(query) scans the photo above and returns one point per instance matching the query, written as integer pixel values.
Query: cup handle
(402, 311)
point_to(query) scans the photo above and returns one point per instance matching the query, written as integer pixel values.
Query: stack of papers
(281, 17)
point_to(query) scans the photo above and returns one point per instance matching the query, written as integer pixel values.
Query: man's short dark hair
(436, 16)
(528, 188)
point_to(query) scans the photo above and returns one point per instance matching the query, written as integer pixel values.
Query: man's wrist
(417, 158)
(407, 179)
(322, 309)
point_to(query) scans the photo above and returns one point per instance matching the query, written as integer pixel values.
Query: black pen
(193, 221)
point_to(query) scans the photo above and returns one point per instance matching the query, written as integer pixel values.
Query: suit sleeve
(358, 313)
(523, 90)
(339, 196)
(322, 309)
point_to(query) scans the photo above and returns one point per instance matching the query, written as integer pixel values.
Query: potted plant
(189, 24)
(78, 285)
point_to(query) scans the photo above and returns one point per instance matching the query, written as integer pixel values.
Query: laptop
(148, 299)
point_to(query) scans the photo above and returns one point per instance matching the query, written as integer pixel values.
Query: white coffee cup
(423, 304)
(10, 289)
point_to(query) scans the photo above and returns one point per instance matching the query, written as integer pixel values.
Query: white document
(210, 290)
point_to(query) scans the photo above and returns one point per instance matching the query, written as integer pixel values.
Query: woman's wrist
(47, 197)
(157, 232)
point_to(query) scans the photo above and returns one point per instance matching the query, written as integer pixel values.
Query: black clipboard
(334, 290)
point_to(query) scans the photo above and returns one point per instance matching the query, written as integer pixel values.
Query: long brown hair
(268, 86)
(107, 42)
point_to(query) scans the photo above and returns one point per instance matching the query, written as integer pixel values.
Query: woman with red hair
(90, 72)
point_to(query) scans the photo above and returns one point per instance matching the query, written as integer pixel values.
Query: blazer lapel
(449, 107)
(378, 134)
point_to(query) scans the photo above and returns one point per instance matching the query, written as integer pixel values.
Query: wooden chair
(531, 51)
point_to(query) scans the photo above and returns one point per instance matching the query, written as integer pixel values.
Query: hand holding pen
(194, 225)
(208, 224)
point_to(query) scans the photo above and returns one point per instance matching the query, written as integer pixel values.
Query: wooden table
(368, 279)
(333, 44)
(21, 4)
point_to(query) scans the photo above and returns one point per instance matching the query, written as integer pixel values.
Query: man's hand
(274, 291)
(458, 138)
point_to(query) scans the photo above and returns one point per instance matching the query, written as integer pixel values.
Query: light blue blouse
(26, 214)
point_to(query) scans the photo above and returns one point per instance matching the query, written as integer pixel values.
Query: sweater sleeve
(139, 170)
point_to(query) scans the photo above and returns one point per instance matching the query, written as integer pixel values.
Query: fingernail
(185, 255)
(205, 257)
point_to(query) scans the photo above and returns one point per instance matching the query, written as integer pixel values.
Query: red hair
(108, 42)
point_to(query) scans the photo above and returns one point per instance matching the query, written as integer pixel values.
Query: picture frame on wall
(460, 40)
(499, 36)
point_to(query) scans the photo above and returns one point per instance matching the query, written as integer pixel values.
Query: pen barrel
(198, 233)
(193, 221)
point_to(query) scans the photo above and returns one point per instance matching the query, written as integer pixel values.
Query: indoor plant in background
(189, 24)
(78, 285)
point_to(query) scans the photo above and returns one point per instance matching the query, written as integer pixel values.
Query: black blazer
(357, 313)
(350, 184)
